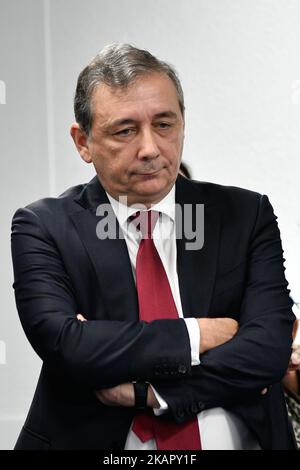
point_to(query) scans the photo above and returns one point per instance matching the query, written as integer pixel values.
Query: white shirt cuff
(162, 403)
(194, 334)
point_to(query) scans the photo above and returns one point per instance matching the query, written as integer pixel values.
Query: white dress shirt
(219, 429)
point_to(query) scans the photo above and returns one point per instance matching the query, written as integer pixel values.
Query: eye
(163, 125)
(125, 132)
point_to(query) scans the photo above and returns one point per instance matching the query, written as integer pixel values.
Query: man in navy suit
(222, 360)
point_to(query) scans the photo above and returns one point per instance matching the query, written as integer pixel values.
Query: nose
(148, 148)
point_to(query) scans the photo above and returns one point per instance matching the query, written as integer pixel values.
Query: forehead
(152, 93)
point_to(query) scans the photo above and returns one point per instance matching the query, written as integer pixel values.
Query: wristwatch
(140, 393)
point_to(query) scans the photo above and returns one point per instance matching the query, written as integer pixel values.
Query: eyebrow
(128, 121)
(166, 114)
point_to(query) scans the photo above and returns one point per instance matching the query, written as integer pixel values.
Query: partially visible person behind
(291, 382)
(185, 171)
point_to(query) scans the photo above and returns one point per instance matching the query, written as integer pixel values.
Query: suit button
(201, 405)
(180, 413)
(194, 408)
(182, 369)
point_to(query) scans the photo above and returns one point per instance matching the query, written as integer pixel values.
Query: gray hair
(117, 65)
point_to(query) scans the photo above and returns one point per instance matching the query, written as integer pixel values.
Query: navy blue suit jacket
(61, 268)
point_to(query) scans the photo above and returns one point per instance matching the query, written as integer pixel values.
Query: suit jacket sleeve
(96, 354)
(258, 355)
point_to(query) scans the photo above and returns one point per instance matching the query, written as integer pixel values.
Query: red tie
(156, 302)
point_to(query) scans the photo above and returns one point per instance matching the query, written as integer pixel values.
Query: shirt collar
(165, 206)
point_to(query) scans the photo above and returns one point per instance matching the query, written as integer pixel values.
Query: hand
(216, 331)
(291, 380)
(294, 363)
(123, 395)
(81, 317)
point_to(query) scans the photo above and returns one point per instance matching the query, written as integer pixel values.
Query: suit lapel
(109, 256)
(197, 268)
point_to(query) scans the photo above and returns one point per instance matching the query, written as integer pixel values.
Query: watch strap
(140, 393)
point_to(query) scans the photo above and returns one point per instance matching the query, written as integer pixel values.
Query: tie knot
(145, 222)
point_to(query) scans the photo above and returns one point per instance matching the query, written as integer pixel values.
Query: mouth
(149, 173)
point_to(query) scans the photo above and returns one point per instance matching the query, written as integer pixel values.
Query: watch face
(140, 392)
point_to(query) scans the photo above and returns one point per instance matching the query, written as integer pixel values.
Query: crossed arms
(102, 354)
(214, 332)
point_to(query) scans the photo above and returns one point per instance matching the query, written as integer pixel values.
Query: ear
(81, 141)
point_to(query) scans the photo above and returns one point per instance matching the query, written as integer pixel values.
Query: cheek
(111, 160)
(172, 149)
(117, 171)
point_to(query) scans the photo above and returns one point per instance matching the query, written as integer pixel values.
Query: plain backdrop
(239, 63)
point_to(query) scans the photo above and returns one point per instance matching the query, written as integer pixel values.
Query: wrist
(140, 394)
(152, 401)
(202, 323)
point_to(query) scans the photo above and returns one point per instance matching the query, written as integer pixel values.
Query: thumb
(81, 317)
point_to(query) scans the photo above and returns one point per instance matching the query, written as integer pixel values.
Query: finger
(295, 358)
(105, 400)
(81, 317)
(101, 397)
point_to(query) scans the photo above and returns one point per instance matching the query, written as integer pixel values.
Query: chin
(154, 189)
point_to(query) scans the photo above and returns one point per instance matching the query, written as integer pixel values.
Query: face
(136, 138)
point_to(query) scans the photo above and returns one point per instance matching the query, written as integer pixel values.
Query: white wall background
(239, 61)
